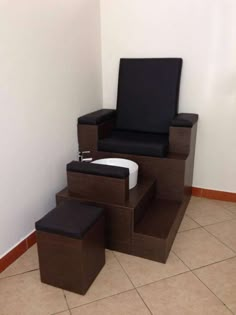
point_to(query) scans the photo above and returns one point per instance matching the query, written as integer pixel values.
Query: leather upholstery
(184, 120)
(98, 169)
(148, 92)
(135, 143)
(71, 218)
(97, 117)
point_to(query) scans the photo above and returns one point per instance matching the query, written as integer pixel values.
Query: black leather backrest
(148, 91)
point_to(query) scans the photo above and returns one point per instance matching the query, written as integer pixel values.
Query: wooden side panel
(180, 140)
(149, 247)
(88, 135)
(98, 188)
(93, 252)
(189, 168)
(71, 264)
(60, 261)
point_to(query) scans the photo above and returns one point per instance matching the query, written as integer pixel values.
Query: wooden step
(136, 195)
(120, 218)
(155, 232)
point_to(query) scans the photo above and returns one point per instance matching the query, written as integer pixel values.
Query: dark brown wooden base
(144, 226)
(119, 219)
(146, 223)
(71, 264)
(154, 235)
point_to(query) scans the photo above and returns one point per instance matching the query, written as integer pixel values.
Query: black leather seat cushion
(71, 218)
(98, 169)
(148, 91)
(135, 143)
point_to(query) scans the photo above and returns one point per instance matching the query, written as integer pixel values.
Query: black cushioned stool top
(71, 218)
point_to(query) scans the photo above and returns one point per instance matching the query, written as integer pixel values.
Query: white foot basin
(132, 166)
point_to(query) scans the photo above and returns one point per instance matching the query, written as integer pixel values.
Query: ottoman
(70, 241)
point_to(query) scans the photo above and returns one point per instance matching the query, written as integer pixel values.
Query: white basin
(132, 166)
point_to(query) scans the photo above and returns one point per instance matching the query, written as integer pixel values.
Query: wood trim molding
(213, 194)
(17, 251)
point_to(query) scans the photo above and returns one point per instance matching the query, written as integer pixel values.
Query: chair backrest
(148, 92)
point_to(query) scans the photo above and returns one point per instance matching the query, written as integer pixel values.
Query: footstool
(70, 241)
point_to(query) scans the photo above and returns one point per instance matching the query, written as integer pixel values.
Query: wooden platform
(143, 225)
(154, 234)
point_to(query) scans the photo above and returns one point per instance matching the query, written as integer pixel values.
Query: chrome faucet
(81, 156)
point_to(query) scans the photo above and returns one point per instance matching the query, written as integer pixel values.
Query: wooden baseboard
(17, 251)
(213, 194)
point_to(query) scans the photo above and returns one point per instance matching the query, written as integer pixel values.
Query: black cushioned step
(148, 144)
(71, 218)
(184, 120)
(97, 169)
(97, 117)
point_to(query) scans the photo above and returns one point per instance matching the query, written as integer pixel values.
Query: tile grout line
(133, 284)
(213, 293)
(18, 274)
(189, 271)
(220, 241)
(143, 301)
(162, 279)
(188, 230)
(228, 220)
(58, 313)
(213, 263)
(202, 226)
(192, 271)
(100, 299)
(64, 294)
(231, 211)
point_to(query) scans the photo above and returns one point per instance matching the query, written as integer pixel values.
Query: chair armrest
(95, 126)
(182, 134)
(184, 120)
(97, 117)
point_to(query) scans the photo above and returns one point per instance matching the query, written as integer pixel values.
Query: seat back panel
(148, 91)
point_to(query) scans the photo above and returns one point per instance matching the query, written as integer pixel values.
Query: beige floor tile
(220, 278)
(25, 295)
(181, 295)
(194, 199)
(142, 271)
(197, 248)
(207, 211)
(27, 262)
(231, 206)
(111, 280)
(128, 303)
(225, 232)
(187, 224)
(63, 313)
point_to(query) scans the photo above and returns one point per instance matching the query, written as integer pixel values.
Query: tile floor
(198, 278)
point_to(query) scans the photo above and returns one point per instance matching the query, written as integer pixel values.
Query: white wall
(50, 72)
(203, 34)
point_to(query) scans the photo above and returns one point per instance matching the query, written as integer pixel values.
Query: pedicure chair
(147, 129)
